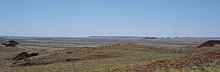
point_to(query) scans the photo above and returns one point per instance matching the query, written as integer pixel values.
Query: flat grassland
(110, 56)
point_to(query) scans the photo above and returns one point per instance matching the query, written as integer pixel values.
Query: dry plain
(111, 55)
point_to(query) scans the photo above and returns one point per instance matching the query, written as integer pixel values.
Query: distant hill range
(150, 38)
(115, 37)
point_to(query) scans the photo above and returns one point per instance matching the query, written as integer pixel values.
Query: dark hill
(210, 43)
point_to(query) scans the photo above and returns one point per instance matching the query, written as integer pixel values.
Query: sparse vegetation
(114, 57)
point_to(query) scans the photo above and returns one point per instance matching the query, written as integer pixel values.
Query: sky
(82, 18)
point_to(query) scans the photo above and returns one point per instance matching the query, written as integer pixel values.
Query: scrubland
(117, 57)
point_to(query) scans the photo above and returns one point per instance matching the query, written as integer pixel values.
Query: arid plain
(110, 54)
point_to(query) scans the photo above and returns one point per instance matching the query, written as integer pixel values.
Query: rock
(11, 43)
(21, 56)
(33, 54)
(210, 43)
(14, 42)
(24, 56)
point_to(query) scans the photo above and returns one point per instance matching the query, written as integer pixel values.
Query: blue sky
(81, 18)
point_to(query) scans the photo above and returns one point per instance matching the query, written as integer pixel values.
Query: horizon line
(108, 36)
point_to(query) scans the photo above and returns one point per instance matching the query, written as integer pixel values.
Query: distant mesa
(150, 38)
(116, 37)
(11, 43)
(210, 43)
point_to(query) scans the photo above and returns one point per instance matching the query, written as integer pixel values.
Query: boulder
(21, 56)
(33, 54)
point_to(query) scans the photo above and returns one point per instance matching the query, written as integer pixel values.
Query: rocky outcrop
(11, 43)
(23, 56)
(210, 43)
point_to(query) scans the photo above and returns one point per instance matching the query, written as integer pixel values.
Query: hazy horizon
(118, 36)
(58, 18)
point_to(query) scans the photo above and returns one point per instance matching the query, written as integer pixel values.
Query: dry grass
(119, 58)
